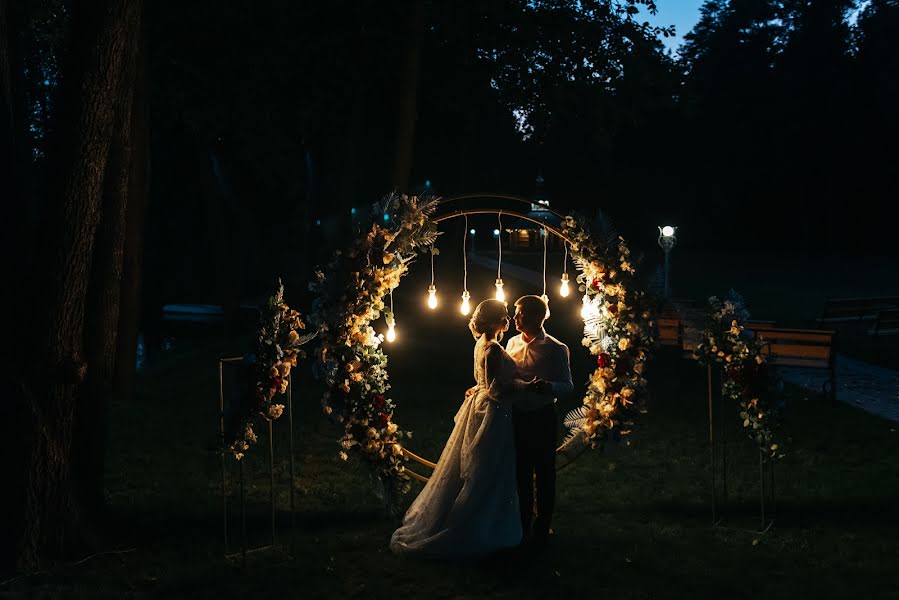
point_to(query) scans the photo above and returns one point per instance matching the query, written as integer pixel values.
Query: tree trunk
(133, 252)
(408, 100)
(15, 142)
(11, 168)
(45, 397)
(102, 309)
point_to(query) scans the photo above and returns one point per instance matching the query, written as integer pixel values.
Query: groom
(543, 361)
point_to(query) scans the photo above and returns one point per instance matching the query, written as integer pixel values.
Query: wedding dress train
(469, 507)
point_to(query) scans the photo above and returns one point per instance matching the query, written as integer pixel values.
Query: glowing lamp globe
(391, 331)
(466, 305)
(563, 289)
(585, 307)
(432, 297)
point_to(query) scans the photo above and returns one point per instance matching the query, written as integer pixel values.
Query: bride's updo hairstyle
(489, 317)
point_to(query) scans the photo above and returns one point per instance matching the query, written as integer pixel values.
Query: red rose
(595, 284)
(383, 418)
(378, 400)
(613, 308)
(603, 360)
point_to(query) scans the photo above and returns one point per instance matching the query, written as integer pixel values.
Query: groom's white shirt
(543, 357)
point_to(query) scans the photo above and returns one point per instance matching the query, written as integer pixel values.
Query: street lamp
(667, 240)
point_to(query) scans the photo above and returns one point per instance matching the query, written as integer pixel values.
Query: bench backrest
(799, 347)
(669, 331)
(887, 321)
(837, 309)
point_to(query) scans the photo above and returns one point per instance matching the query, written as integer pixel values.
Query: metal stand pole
(222, 456)
(666, 274)
(290, 427)
(712, 450)
(271, 472)
(762, 487)
(243, 520)
(722, 418)
(771, 471)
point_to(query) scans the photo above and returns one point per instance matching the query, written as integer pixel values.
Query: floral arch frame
(351, 291)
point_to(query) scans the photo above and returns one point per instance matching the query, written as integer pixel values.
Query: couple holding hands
(493, 488)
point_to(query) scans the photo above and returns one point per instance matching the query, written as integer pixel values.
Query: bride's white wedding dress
(469, 507)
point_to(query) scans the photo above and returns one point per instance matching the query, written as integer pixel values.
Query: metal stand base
(718, 471)
(273, 545)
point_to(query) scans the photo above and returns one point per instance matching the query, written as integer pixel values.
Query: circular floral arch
(351, 293)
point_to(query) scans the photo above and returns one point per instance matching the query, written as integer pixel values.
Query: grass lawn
(632, 521)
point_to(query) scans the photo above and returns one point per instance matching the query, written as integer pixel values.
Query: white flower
(343, 455)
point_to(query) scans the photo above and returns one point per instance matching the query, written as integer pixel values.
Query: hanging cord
(565, 260)
(499, 241)
(465, 256)
(544, 260)
(391, 307)
(432, 265)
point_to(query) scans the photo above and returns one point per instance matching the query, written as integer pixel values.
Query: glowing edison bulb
(500, 295)
(563, 290)
(466, 306)
(586, 308)
(391, 332)
(432, 297)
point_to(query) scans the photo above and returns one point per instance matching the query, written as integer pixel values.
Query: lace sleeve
(497, 381)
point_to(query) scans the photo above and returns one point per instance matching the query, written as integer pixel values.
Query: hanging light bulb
(432, 290)
(563, 289)
(466, 306)
(432, 297)
(586, 308)
(391, 321)
(391, 331)
(500, 295)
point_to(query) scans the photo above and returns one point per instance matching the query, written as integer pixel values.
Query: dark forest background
(776, 127)
(193, 152)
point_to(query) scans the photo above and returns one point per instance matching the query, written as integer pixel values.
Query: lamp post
(667, 240)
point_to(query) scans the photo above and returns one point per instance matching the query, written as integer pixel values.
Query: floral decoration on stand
(278, 346)
(351, 293)
(617, 331)
(746, 378)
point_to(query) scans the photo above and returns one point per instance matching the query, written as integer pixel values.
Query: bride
(469, 507)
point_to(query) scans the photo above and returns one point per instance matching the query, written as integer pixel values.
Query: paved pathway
(869, 387)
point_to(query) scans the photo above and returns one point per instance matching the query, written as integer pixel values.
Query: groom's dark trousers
(535, 453)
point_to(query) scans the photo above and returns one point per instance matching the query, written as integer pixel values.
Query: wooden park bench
(669, 331)
(886, 322)
(855, 309)
(804, 348)
(669, 325)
